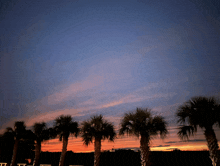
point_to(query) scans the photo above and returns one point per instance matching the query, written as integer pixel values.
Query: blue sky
(90, 57)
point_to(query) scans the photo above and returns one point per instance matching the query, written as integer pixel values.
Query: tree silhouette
(97, 129)
(141, 123)
(200, 112)
(6, 145)
(41, 133)
(64, 126)
(20, 134)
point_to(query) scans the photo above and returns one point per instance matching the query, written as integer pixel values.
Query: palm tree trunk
(62, 157)
(145, 151)
(97, 153)
(212, 145)
(37, 153)
(15, 150)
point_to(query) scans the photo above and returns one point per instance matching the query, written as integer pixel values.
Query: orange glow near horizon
(76, 145)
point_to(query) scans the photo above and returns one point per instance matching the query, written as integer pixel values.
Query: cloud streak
(46, 112)
(71, 91)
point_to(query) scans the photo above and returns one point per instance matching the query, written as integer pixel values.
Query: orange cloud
(48, 116)
(132, 98)
(69, 92)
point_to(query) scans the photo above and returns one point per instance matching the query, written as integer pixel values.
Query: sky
(85, 58)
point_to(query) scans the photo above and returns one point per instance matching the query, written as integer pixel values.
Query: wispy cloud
(195, 140)
(100, 88)
(171, 142)
(49, 116)
(132, 98)
(161, 146)
(71, 91)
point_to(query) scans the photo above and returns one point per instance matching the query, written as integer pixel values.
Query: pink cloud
(69, 92)
(132, 98)
(48, 116)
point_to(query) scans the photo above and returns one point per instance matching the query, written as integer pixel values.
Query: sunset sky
(84, 58)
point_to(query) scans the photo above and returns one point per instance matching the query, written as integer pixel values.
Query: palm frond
(185, 132)
(127, 124)
(19, 129)
(199, 111)
(38, 127)
(183, 113)
(159, 125)
(45, 135)
(108, 131)
(19, 126)
(87, 132)
(87, 138)
(64, 126)
(141, 122)
(52, 132)
(39, 130)
(74, 129)
(143, 114)
(124, 130)
(9, 132)
(97, 127)
(29, 135)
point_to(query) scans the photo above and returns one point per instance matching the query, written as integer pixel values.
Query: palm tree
(200, 112)
(7, 144)
(24, 144)
(64, 126)
(19, 133)
(141, 123)
(41, 133)
(97, 129)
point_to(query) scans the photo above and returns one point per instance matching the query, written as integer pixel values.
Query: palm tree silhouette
(200, 112)
(7, 143)
(64, 126)
(97, 129)
(16, 139)
(18, 133)
(141, 123)
(41, 133)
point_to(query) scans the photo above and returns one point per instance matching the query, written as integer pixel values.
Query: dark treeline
(127, 158)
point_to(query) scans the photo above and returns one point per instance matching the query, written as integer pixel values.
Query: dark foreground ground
(124, 158)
